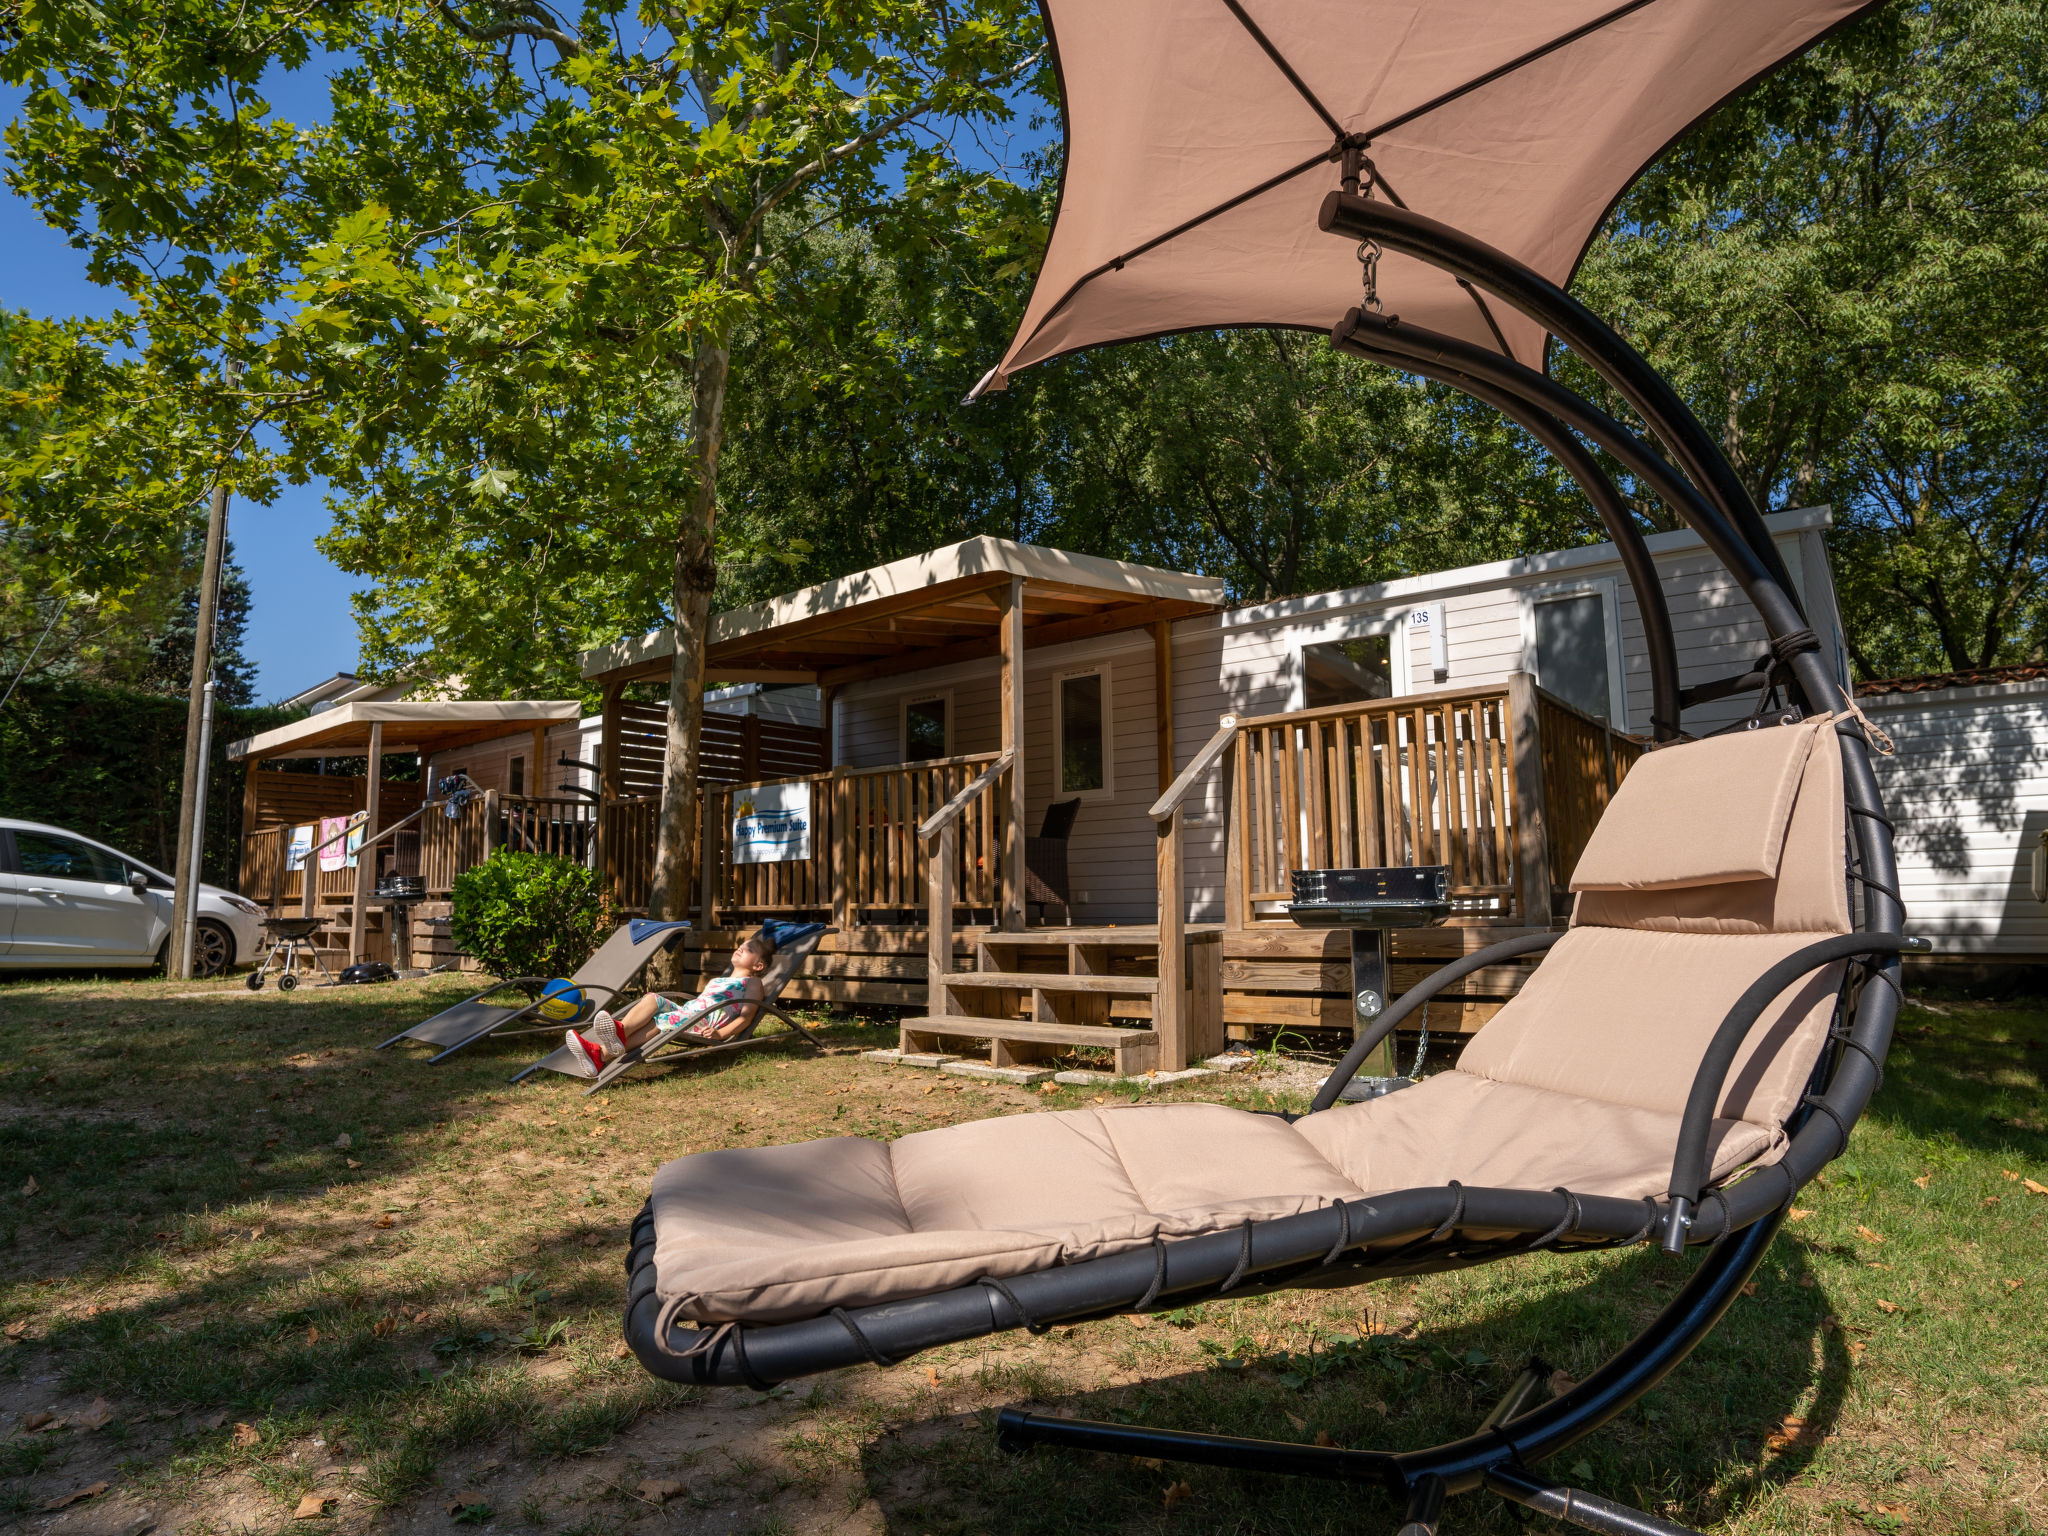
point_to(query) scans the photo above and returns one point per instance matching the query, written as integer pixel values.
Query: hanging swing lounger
(1690, 1051)
(600, 980)
(794, 944)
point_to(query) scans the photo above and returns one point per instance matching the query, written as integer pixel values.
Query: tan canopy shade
(428, 727)
(920, 612)
(1203, 135)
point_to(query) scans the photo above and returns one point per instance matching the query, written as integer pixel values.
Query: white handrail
(950, 811)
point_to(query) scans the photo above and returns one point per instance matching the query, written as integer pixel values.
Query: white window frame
(1604, 588)
(1393, 625)
(922, 696)
(1060, 677)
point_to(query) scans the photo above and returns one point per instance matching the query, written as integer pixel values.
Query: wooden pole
(537, 779)
(944, 852)
(1010, 602)
(366, 861)
(1532, 849)
(191, 837)
(709, 862)
(249, 767)
(841, 790)
(608, 786)
(1170, 1007)
(1162, 698)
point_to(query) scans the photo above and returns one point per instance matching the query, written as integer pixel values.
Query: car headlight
(243, 904)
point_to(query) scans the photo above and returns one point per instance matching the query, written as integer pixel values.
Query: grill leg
(1369, 994)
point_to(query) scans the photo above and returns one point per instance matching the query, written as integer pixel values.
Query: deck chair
(1672, 1071)
(601, 978)
(794, 944)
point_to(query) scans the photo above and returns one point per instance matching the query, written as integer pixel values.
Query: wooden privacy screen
(1376, 784)
(734, 749)
(1583, 761)
(866, 859)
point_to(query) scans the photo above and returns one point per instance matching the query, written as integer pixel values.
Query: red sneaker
(588, 1051)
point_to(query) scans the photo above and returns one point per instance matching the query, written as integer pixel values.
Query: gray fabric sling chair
(601, 979)
(1692, 1049)
(794, 944)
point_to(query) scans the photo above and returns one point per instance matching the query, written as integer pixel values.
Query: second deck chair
(1672, 1071)
(601, 978)
(794, 944)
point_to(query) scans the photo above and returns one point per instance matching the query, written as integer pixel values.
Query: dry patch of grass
(252, 1266)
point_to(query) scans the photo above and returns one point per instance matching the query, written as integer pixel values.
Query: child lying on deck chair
(721, 1011)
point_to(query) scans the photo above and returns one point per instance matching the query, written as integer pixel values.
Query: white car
(67, 901)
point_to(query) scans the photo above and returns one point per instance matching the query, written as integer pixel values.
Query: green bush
(528, 914)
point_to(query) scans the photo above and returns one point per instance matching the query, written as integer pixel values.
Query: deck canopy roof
(920, 612)
(1203, 137)
(426, 726)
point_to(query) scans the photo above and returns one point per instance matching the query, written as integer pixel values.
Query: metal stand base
(1401, 1474)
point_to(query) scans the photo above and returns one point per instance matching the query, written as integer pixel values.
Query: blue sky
(300, 626)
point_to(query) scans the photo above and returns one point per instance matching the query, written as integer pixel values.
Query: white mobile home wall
(1247, 661)
(1968, 791)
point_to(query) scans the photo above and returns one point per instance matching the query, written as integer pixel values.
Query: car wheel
(213, 949)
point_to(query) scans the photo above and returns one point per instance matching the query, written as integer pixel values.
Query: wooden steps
(1015, 1042)
(1053, 981)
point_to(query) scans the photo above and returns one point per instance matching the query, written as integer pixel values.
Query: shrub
(528, 914)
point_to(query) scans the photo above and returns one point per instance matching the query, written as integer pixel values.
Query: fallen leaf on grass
(343, 1142)
(17, 1328)
(247, 1435)
(314, 1505)
(1560, 1383)
(1896, 1511)
(30, 1187)
(1888, 1307)
(385, 1221)
(2034, 1187)
(1807, 1282)
(1791, 1433)
(1856, 1348)
(352, 1162)
(38, 1420)
(1177, 1495)
(593, 1239)
(98, 1416)
(2010, 1177)
(1924, 1180)
(213, 1421)
(1991, 1200)
(1324, 1439)
(659, 1490)
(1800, 1213)
(1749, 1288)
(620, 1350)
(1298, 1422)
(929, 1090)
(1150, 1463)
(65, 1500)
(931, 1374)
(312, 1337)
(1868, 1236)
(1137, 1321)
(1048, 1087)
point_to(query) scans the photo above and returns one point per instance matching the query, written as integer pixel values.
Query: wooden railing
(866, 860)
(565, 827)
(940, 845)
(1582, 762)
(451, 844)
(1435, 778)
(1425, 779)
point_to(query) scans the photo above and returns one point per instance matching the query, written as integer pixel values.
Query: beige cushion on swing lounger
(1579, 1081)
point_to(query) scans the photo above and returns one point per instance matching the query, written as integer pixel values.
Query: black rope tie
(1877, 816)
(1841, 1126)
(1727, 1217)
(1457, 1213)
(1158, 1274)
(1343, 1235)
(1651, 1217)
(1876, 885)
(1797, 643)
(1244, 1259)
(845, 1320)
(1002, 1289)
(1848, 1043)
(1567, 1223)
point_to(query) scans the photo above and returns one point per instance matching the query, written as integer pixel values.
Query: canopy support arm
(1666, 702)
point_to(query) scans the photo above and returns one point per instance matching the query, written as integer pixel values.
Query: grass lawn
(251, 1266)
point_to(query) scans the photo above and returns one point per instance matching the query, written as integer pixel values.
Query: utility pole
(198, 717)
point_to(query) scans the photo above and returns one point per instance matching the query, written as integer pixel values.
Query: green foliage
(528, 914)
(1846, 272)
(106, 762)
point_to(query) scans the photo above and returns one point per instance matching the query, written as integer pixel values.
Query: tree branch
(539, 24)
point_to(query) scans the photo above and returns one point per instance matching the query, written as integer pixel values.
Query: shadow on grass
(1692, 1450)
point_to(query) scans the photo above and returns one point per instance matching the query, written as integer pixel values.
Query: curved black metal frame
(1420, 1230)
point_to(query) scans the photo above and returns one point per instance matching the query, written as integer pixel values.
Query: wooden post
(828, 696)
(1532, 849)
(608, 787)
(537, 778)
(1011, 603)
(750, 748)
(366, 863)
(842, 850)
(944, 852)
(1235, 915)
(1162, 698)
(709, 860)
(249, 767)
(1170, 1007)
(309, 872)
